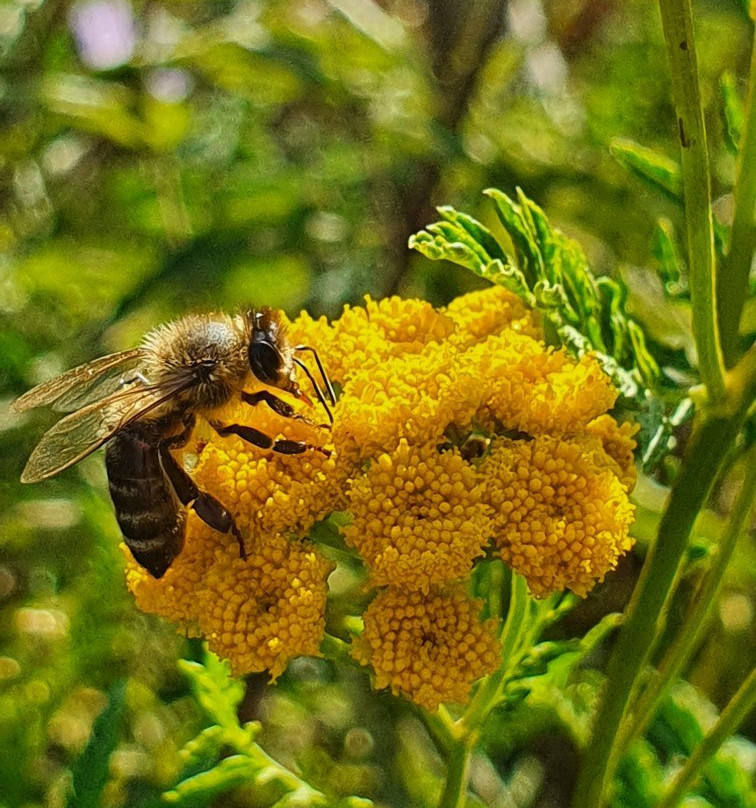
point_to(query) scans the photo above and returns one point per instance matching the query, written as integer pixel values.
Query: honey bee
(144, 403)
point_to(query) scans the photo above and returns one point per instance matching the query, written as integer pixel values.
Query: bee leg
(263, 441)
(182, 438)
(279, 406)
(206, 506)
(274, 402)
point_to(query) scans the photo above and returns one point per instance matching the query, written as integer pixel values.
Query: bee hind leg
(206, 506)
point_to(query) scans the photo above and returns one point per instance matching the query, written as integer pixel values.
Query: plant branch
(699, 616)
(681, 50)
(457, 773)
(732, 284)
(732, 716)
(646, 614)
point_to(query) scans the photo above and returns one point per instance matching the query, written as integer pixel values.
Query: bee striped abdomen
(148, 513)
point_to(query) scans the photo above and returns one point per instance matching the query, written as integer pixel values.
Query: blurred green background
(163, 157)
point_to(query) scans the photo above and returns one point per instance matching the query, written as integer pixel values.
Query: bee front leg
(206, 506)
(279, 406)
(276, 404)
(263, 441)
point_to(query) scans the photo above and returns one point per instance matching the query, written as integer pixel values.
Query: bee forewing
(79, 434)
(81, 385)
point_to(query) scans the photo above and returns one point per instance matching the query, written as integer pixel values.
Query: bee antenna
(315, 387)
(323, 374)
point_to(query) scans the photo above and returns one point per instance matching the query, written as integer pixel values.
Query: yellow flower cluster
(273, 492)
(546, 487)
(277, 604)
(430, 647)
(477, 315)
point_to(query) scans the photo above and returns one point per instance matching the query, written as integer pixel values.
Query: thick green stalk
(648, 608)
(489, 689)
(699, 615)
(678, 32)
(736, 711)
(457, 774)
(732, 286)
(456, 742)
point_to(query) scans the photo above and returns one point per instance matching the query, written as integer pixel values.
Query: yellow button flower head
(270, 492)
(489, 311)
(619, 444)
(364, 337)
(430, 648)
(399, 398)
(418, 519)
(538, 390)
(261, 611)
(561, 514)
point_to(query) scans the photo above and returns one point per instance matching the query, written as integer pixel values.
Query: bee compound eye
(265, 362)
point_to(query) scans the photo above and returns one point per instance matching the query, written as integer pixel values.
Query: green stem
(677, 23)
(732, 716)
(334, 648)
(699, 616)
(457, 773)
(489, 689)
(456, 741)
(650, 603)
(732, 286)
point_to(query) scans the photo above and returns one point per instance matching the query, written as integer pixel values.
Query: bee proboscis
(144, 402)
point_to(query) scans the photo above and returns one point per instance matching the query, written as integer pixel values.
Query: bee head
(269, 354)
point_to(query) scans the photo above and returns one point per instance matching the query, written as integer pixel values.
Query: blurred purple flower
(104, 31)
(170, 85)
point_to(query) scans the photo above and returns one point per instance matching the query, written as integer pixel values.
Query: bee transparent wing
(82, 385)
(80, 433)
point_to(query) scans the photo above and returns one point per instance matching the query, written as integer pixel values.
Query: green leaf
(667, 254)
(480, 235)
(90, 771)
(216, 690)
(201, 751)
(655, 168)
(645, 363)
(526, 251)
(732, 112)
(201, 788)
(549, 271)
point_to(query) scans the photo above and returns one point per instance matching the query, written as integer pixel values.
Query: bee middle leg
(206, 506)
(263, 441)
